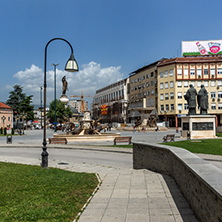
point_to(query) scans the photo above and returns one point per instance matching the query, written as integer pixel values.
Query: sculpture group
(202, 99)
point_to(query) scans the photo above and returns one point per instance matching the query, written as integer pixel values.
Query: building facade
(174, 77)
(77, 104)
(6, 116)
(110, 103)
(143, 92)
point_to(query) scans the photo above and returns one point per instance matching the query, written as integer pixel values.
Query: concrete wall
(199, 181)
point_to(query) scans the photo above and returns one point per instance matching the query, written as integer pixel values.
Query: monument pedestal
(199, 126)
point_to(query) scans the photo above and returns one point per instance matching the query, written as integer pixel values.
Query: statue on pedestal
(191, 100)
(202, 99)
(64, 85)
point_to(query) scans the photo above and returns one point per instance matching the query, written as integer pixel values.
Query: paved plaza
(124, 194)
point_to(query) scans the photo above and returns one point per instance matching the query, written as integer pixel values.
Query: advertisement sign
(198, 48)
(104, 109)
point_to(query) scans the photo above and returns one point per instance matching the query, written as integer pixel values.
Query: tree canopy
(21, 103)
(61, 111)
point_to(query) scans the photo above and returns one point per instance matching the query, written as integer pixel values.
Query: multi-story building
(6, 116)
(143, 92)
(77, 104)
(110, 103)
(174, 77)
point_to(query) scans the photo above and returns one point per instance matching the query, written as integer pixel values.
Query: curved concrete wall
(199, 181)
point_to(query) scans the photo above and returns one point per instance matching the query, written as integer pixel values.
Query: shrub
(1, 131)
(13, 131)
(5, 131)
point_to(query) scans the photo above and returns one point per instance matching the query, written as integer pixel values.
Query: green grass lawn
(30, 193)
(208, 146)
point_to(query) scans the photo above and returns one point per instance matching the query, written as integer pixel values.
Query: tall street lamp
(71, 66)
(41, 104)
(55, 90)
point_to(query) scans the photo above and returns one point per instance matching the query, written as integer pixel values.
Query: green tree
(16, 97)
(61, 111)
(20, 102)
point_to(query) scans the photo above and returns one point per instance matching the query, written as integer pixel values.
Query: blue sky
(110, 38)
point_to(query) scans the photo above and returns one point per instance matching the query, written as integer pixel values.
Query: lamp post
(41, 104)
(3, 120)
(55, 90)
(71, 66)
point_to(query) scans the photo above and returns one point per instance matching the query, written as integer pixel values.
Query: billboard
(198, 48)
(104, 109)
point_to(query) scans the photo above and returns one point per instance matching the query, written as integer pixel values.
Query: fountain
(89, 130)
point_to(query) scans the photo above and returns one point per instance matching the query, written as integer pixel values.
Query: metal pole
(55, 91)
(44, 143)
(41, 104)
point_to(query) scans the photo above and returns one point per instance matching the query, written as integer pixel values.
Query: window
(162, 107)
(179, 84)
(147, 84)
(139, 79)
(147, 76)
(180, 107)
(219, 95)
(161, 96)
(213, 106)
(171, 84)
(185, 72)
(219, 82)
(161, 85)
(186, 106)
(213, 94)
(219, 70)
(144, 94)
(166, 96)
(198, 83)
(131, 88)
(171, 72)
(199, 72)
(212, 71)
(179, 95)
(167, 107)
(135, 87)
(172, 107)
(171, 95)
(192, 83)
(166, 73)
(152, 83)
(139, 87)
(205, 71)
(212, 83)
(151, 74)
(179, 72)
(166, 85)
(135, 80)
(161, 74)
(219, 105)
(192, 72)
(185, 83)
(9, 118)
(131, 81)
(143, 85)
(147, 93)
(152, 92)
(143, 77)
(139, 95)
(206, 83)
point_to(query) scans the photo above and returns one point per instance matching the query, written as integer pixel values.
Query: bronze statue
(191, 100)
(64, 85)
(202, 99)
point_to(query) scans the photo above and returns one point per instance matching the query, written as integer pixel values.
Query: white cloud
(89, 79)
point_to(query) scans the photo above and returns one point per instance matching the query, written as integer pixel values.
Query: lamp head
(71, 65)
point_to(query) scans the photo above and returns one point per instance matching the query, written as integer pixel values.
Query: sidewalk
(125, 195)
